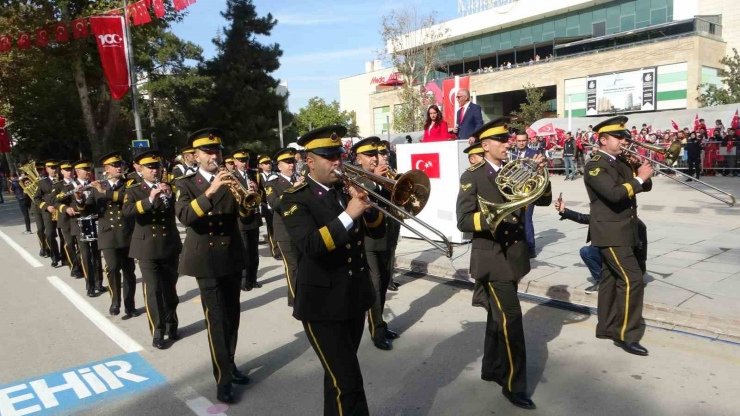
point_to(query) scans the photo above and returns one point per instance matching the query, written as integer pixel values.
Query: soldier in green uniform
(274, 191)
(475, 153)
(44, 200)
(213, 253)
(394, 228)
(67, 217)
(379, 245)
(89, 252)
(114, 235)
(38, 217)
(156, 244)
(249, 226)
(333, 290)
(612, 184)
(188, 163)
(266, 175)
(498, 260)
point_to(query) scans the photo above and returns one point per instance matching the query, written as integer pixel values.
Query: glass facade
(615, 17)
(381, 117)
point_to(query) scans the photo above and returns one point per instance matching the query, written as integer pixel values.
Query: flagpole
(132, 73)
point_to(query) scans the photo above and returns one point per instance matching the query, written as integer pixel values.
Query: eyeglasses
(461, 96)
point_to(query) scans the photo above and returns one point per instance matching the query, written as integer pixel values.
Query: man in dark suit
(44, 200)
(249, 226)
(67, 217)
(334, 289)
(522, 151)
(274, 190)
(469, 117)
(612, 184)
(156, 244)
(499, 259)
(213, 253)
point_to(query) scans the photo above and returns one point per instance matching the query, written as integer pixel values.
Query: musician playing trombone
(499, 259)
(612, 186)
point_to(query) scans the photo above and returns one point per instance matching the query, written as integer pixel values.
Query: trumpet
(409, 195)
(243, 194)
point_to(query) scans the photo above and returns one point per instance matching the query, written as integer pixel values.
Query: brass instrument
(31, 179)
(671, 154)
(244, 195)
(409, 195)
(522, 182)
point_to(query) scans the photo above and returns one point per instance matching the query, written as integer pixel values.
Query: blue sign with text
(66, 390)
(140, 143)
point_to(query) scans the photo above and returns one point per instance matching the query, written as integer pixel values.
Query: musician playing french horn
(499, 259)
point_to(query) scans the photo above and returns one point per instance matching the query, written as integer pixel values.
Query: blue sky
(321, 41)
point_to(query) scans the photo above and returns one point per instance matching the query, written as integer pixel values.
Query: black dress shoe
(225, 394)
(237, 377)
(518, 399)
(132, 313)
(634, 348)
(383, 345)
(392, 286)
(257, 285)
(532, 255)
(173, 336)
(247, 287)
(42, 253)
(277, 257)
(77, 274)
(55, 264)
(391, 334)
(592, 289)
(91, 294)
(114, 310)
(489, 377)
(159, 343)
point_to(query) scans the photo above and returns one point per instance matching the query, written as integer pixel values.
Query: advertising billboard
(621, 92)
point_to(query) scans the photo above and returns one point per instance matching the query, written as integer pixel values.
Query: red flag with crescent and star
(42, 37)
(548, 128)
(735, 123)
(61, 32)
(24, 40)
(427, 163)
(79, 28)
(675, 126)
(159, 10)
(6, 43)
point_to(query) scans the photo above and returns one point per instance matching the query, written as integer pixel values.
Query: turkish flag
(42, 37)
(546, 129)
(61, 32)
(735, 123)
(4, 141)
(113, 49)
(79, 28)
(24, 41)
(2, 122)
(181, 4)
(159, 9)
(427, 163)
(531, 133)
(675, 126)
(142, 15)
(450, 88)
(6, 43)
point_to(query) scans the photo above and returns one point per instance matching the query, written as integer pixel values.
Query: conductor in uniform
(156, 244)
(44, 199)
(612, 186)
(274, 190)
(499, 259)
(334, 289)
(213, 253)
(249, 226)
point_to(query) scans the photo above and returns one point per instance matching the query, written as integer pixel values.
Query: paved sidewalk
(693, 277)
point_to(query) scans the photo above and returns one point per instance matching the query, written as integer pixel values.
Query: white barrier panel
(443, 162)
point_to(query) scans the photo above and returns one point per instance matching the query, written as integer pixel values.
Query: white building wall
(730, 11)
(354, 95)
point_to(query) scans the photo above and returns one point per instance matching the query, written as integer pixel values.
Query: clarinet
(165, 199)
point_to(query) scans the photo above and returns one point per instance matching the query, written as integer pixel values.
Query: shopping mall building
(605, 57)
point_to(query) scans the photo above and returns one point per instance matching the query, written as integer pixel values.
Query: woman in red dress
(435, 128)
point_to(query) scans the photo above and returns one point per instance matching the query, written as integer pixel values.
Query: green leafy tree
(729, 91)
(317, 113)
(531, 111)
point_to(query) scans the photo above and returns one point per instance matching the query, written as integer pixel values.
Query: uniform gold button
(350, 272)
(220, 223)
(506, 232)
(154, 235)
(359, 243)
(357, 230)
(516, 241)
(360, 255)
(349, 246)
(120, 225)
(514, 219)
(210, 223)
(164, 228)
(210, 213)
(164, 235)
(349, 260)
(211, 244)
(362, 268)
(210, 233)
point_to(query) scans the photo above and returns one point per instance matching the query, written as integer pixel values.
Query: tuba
(30, 183)
(522, 182)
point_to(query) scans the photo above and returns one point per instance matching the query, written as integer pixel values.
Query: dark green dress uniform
(181, 169)
(249, 227)
(68, 224)
(36, 214)
(274, 191)
(333, 289)
(43, 199)
(114, 239)
(156, 244)
(379, 248)
(265, 208)
(497, 262)
(614, 229)
(133, 178)
(214, 254)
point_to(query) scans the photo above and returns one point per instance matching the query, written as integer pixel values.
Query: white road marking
(26, 255)
(199, 404)
(113, 332)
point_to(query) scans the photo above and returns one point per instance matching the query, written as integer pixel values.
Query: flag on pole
(735, 123)
(531, 133)
(113, 49)
(675, 126)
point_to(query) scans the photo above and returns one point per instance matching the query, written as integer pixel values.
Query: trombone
(409, 195)
(671, 154)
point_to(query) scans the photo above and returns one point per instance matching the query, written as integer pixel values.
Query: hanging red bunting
(159, 10)
(180, 4)
(24, 41)
(4, 141)
(108, 31)
(61, 32)
(139, 13)
(42, 37)
(79, 28)
(6, 43)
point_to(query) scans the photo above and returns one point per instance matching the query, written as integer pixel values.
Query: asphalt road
(434, 368)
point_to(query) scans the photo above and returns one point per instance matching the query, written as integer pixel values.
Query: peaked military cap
(384, 147)
(83, 164)
(285, 155)
(367, 146)
(474, 149)
(65, 164)
(151, 159)
(207, 139)
(497, 129)
(241, 155)
(229, 160)
(324, 141)
(614, 126)
(263, 159)
(51, 163)
(110, 158)
(188, 149)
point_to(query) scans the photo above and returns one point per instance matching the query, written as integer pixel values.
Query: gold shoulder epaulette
(131, 183)
(476, 166)
(596, 158)
(296, 187)
(187, 175)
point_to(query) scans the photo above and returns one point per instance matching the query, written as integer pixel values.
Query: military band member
(44, 200)
(38, 216)
(498, 261)
(187, 164)
(274, 190)
(67, 217)
(384, 169)
(156, 245)
(379, 246)
(614, 228)
(114, 235)
(265, 175)
(229, 163)
(334, 289)
(249, 226)
(474, 152)
(89, 252)
(135, 176)
(213, 253)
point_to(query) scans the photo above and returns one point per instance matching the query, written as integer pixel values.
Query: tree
(412, 43)
(729, 91)
(532, 110)
(244, 101)
(317, 113)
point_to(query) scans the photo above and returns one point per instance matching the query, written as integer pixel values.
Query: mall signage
(629, 91)
(396, 76)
